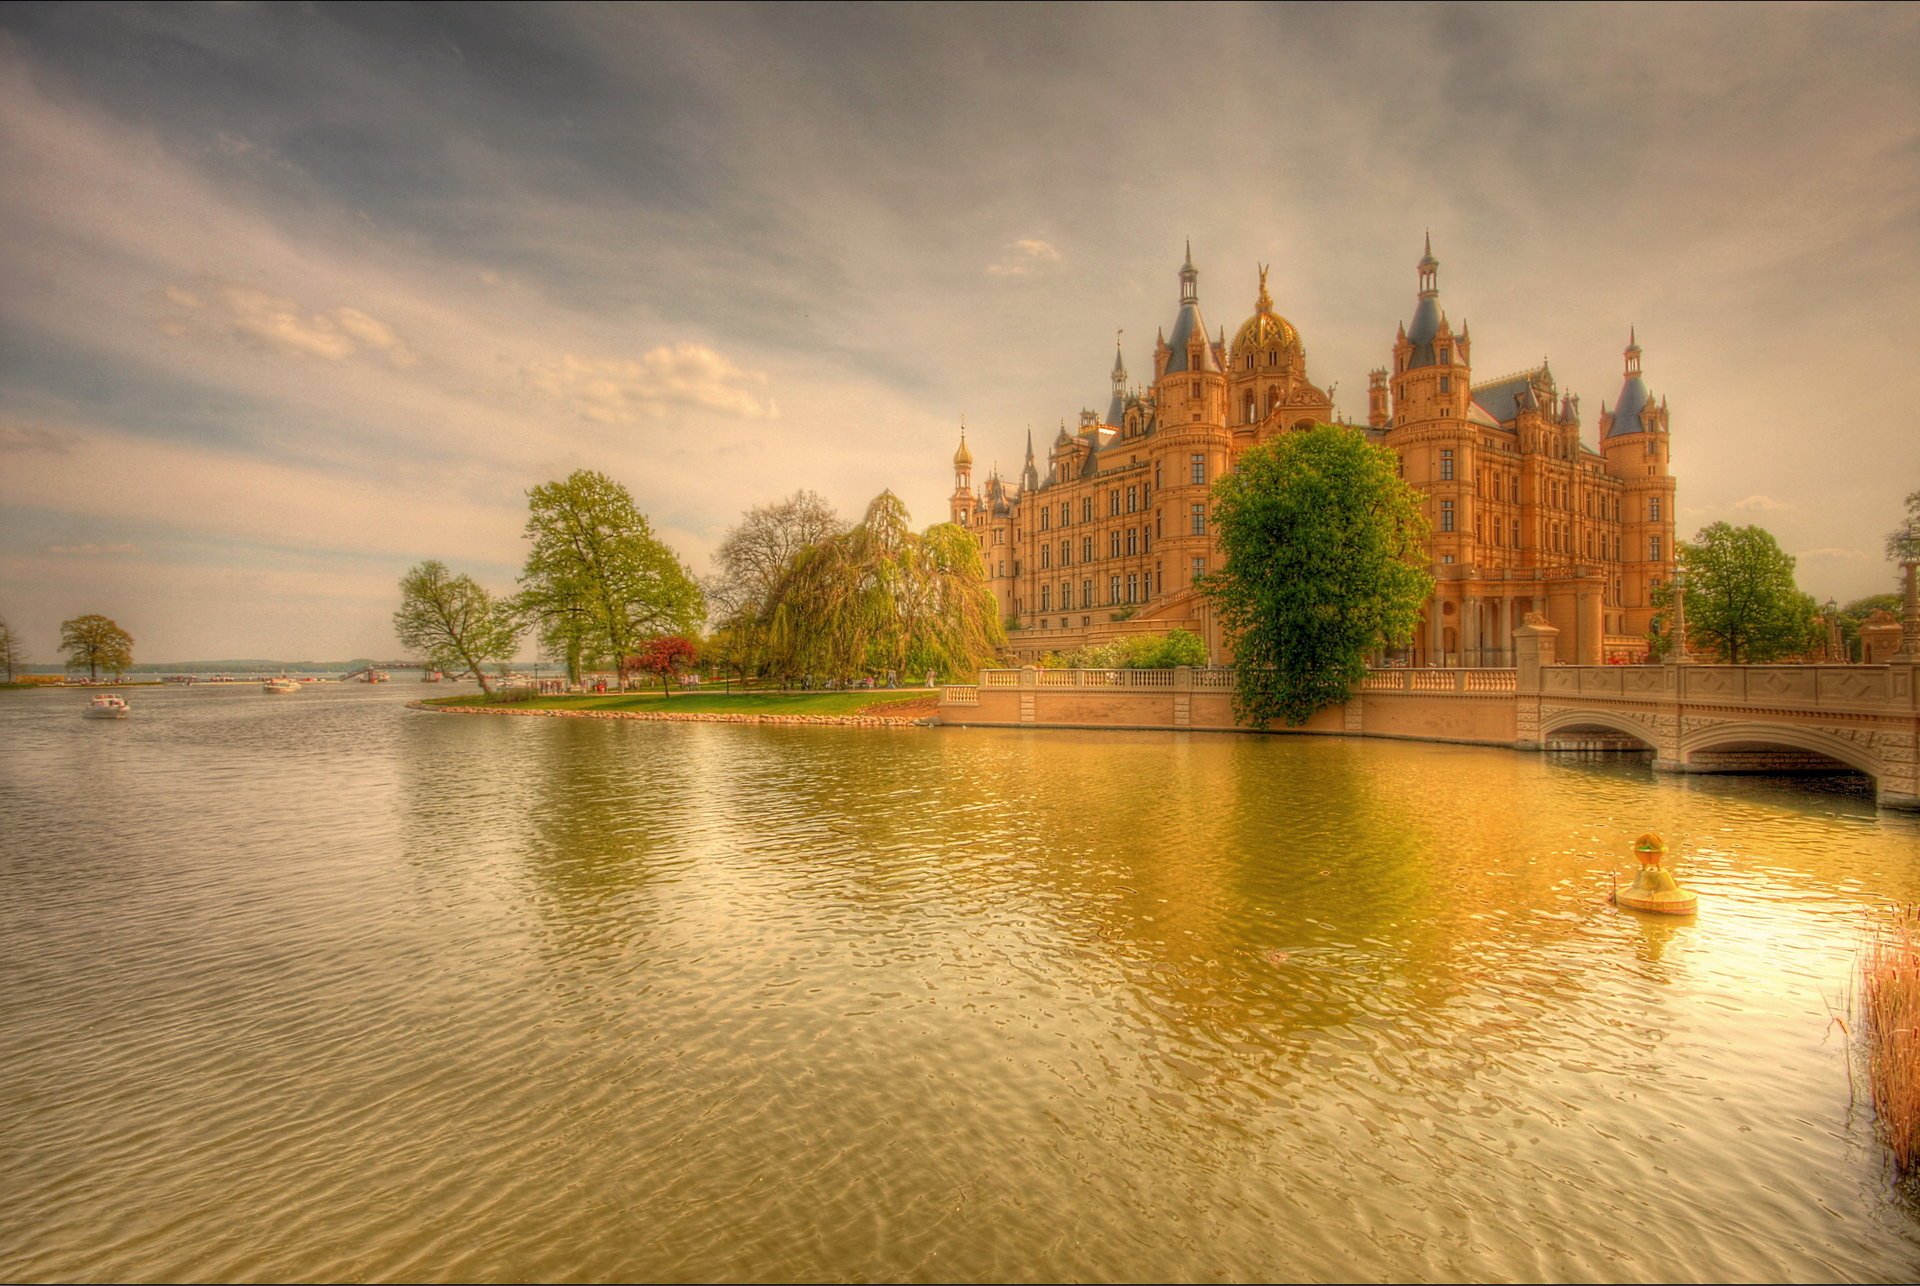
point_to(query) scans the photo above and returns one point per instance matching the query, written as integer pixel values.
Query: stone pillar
(1436, 633)
(1678, 654)
(1909, 614)
(1533, 649)
(1899, 785)
(1470, 631)
(1533, 646)
(1592, 622)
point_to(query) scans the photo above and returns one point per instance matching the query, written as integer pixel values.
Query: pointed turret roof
(1634, 395)
(1189, 324)
(1427, 316)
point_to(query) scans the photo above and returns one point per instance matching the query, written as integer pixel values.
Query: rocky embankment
(915, 718)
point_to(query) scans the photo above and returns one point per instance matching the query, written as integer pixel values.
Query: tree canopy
(1903, 542)
(1743, 606)
(1324, 563)
(12, 654)
(453, 623)
(665, 656)
(597, 580)
(94, 643)
(879, 597)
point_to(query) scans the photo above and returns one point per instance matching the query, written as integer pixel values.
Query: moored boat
(281, 684)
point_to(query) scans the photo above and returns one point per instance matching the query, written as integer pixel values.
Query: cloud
(277, 323)
(1024, 256)
(619, 392)
(93, 550)
(1834, 553)
(1760, 504)
(26, 437)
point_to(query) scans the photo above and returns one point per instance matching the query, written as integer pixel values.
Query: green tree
(750, 561)
(12, 654)
(1324, 562)
(879, 597)
(1742, 604)
(597, 580)
(454, 624)
(1903, 542)
(94, 643)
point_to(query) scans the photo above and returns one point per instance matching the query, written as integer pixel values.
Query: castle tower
(962, 503)
(1634, 438)
(1030, 476)
(1378, 414)
(1192, 446)
(1431, 392)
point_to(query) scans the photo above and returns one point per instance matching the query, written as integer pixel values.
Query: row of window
(1131, 499)
(1128, 541)
(1134, 587)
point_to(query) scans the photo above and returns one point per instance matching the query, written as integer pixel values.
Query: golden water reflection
(518, 998)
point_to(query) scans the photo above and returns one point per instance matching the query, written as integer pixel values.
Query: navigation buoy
(1654, 888)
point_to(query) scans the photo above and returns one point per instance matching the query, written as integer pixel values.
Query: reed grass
(1890, 1017)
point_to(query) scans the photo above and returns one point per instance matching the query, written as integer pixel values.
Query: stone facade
(1107, 534)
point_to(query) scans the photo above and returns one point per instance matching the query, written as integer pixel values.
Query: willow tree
(879, 597)
(750, 561)
(597, 580)
(1325, 562)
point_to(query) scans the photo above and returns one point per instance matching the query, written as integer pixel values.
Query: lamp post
(1835, 648)
(1679, 655)
(1910, 608)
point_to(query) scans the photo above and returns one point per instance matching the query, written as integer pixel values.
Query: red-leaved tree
(666, 656)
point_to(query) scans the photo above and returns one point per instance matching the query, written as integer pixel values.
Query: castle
(1108, 534)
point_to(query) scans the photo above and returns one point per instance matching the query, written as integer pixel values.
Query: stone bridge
(1694, 718)
(1729, 718)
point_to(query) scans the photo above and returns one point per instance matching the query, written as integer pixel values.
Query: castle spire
(1117, 404)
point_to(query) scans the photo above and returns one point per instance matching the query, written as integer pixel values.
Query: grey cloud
(30, 437)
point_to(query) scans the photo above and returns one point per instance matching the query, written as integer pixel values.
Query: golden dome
(963, 457)
(1266, 328)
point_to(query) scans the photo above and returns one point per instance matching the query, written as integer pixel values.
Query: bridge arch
(1726, 736)
(1626, 725)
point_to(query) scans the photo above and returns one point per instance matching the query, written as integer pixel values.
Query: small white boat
(108, 705)
(281, 684)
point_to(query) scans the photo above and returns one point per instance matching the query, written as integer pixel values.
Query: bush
(1138, 652)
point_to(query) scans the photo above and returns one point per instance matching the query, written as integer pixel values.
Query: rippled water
(318, 987)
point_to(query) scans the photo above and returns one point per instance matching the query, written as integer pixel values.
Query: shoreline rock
(713, 716)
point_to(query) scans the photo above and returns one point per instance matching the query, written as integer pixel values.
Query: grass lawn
(722, 702)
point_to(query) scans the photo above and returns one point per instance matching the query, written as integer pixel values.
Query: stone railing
(1778, 687)
(1424, 682)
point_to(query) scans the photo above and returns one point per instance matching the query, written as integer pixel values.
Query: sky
(296, 296)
